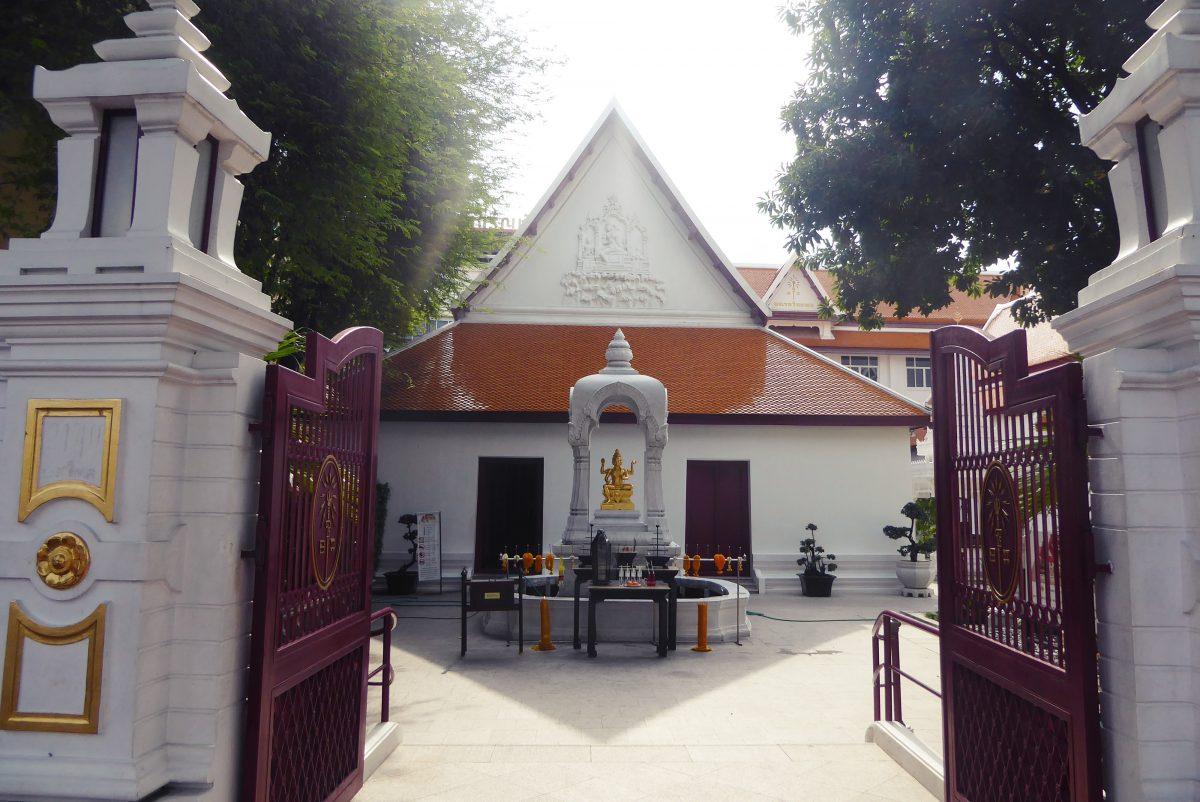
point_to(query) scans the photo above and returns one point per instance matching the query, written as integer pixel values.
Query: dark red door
(306, 712)
(1015, 571)
(718, 508)
(508, 511)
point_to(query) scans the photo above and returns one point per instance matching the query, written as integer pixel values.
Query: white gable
(794, 291)
(612, 242)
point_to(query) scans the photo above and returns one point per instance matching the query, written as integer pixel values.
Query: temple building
(766, 434)
(896, 354)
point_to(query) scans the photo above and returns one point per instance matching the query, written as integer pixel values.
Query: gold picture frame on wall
(100, 493)
(22, 628)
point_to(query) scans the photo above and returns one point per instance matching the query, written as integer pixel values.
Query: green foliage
(383, 114)
(383, 491)
(935, 138)
(920, 532)
(55, 34)
(290, 351)
(1036, 488)
(927, 521)
(815, 560)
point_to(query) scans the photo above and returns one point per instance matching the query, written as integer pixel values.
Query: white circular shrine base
(625, 621)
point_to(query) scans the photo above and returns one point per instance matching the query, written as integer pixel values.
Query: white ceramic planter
(917, 575)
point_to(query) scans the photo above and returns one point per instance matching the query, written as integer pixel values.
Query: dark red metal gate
(1015, 571)
(306, 715)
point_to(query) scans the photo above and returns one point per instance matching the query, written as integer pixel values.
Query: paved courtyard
(781, 717)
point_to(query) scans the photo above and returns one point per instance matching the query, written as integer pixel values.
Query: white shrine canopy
(617, 383)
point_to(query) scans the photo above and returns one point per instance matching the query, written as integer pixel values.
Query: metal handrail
(385, 667)
(892, 707)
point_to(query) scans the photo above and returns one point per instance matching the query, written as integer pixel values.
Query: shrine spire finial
(165, 31)
(619, 355)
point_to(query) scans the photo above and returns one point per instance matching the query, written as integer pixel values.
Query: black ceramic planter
(401, 583)
(817, 585)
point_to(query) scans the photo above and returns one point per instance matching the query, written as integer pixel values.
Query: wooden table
(663, 596)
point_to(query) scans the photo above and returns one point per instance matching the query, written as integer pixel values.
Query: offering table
(663, 596)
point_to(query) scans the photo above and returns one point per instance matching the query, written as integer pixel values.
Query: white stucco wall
(893, 372)
(530, 286)
(850, 480)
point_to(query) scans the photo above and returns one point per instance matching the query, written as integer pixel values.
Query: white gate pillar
(130, 371)
(1138, 329)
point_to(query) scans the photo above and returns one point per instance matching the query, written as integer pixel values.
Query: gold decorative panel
(63, 560)
(70, 452)
(47, 706)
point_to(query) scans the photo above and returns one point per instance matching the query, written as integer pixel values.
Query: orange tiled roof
(880, 340)
(759, 278)
(962, 309)
(525, 369)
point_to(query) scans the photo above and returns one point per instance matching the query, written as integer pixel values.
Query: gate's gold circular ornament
(63, 560)
(1002, 551)
(325, 528)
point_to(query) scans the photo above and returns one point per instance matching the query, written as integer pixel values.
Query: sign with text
(429, 546)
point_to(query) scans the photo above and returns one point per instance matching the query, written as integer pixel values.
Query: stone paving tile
(639, 754)
(599, 789)
(534, 753)
(782, 717)
(734, 752)
(901, 788)
(406, 754)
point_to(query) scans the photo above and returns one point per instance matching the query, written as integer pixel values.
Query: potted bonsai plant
(915, 568)
(403, 582)
(817, 577)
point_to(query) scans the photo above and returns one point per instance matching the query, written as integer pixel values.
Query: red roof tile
(878, 340)
(962, 309)
(760, 279)
(519, 369)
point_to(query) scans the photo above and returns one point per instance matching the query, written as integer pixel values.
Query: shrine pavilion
(766, 434)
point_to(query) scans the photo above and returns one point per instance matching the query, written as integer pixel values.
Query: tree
(920, 530)
(935, 138)
(384, 115)
(55, 34)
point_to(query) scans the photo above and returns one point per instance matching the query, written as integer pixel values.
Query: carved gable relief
(795, 294)
(612, 268)
(612, 241)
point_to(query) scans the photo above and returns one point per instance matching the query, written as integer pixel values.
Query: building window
(1154, 178)
(200, 215)
(116, 177)
(918, 371)
(866, 365)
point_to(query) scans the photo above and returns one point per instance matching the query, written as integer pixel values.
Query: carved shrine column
(655, 506)
(580, 490)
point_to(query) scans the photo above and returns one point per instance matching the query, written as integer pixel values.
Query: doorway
(508, 511)
(718, 507)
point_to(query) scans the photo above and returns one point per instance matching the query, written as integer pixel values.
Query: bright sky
(702, 81)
